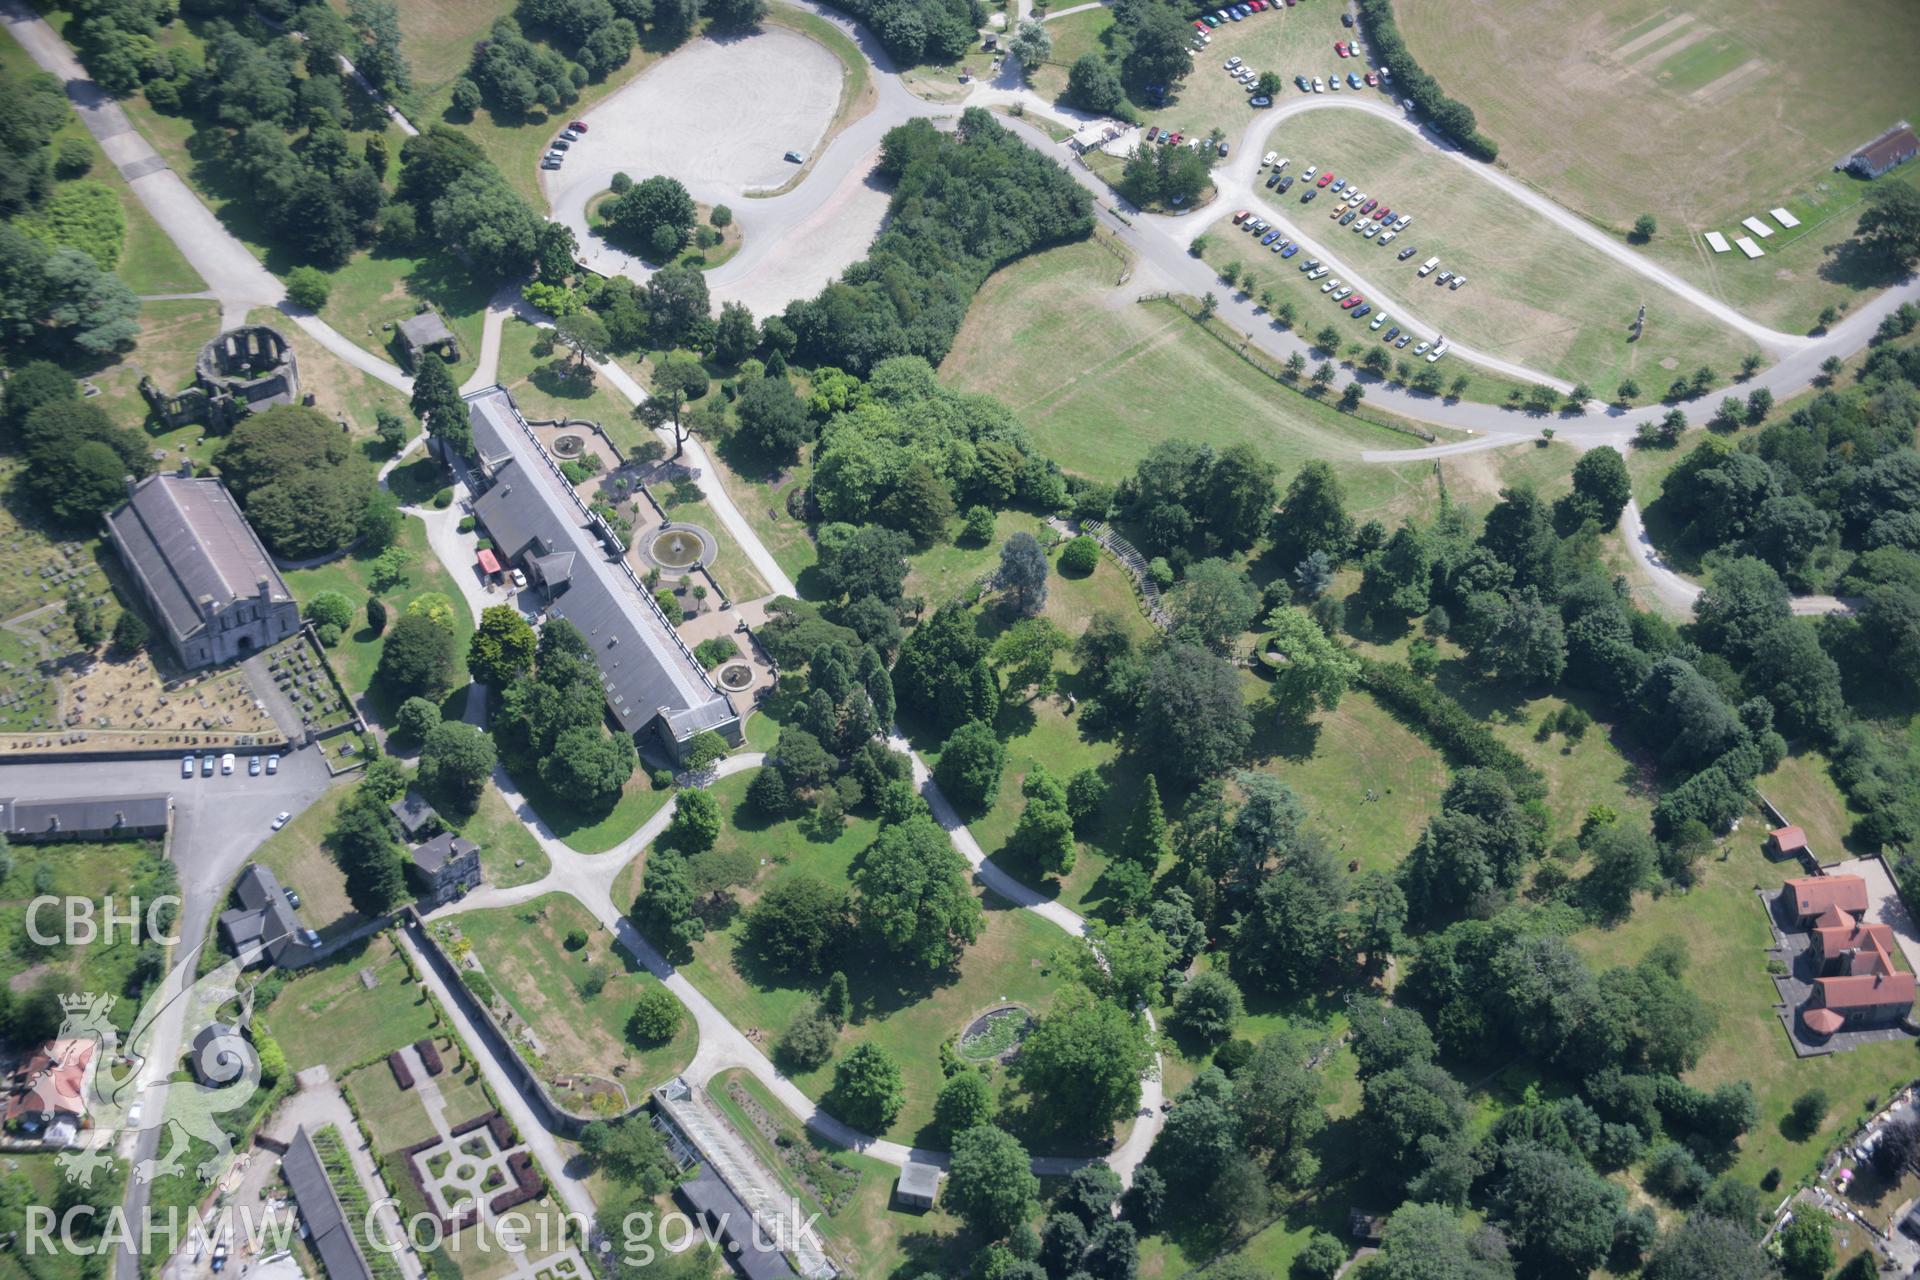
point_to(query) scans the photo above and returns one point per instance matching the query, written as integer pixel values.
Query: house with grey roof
(201, 569)
(444, 868)
(87, 818)
(653, 684)
(328, 1231)
(261, 928)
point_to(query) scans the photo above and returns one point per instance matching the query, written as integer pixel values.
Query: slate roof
(83, 816)
(530, 508)
(442, 849)
(184, 538)
(919, 1181)
(319, 1204)
(264, 918)
(413, 812)
(425, 329)
(707, 1194)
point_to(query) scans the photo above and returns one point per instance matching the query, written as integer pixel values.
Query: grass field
(1145, 374)
(395, 1118)
(1752, 105)
(1535, 294)
(376, 290)
(547, 984)
(865, 1231)
(358, 653)
(1726, 933)
(325, 1015)
(1073, 35)
(149, 262)
(95, 871)
(907, 1012)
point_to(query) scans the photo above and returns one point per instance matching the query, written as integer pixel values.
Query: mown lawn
(298, 857)
(1141, 373)
(594, 831)
(358, 654)
(394, 1118)
(325, 1015)
(866, 1231)
(376, 290)
(524, 951)
(907, 1012)
(1726, 933)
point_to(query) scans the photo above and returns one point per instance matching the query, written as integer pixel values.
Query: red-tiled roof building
(48, 1091)
(1787, 841)
(1810, 897)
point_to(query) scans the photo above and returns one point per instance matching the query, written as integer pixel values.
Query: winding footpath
(781, 226)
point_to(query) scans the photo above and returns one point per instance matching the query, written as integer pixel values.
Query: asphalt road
(218, 823)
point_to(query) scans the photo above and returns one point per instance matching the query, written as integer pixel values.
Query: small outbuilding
(1787, 842)
(214, 1060)
(427, 332)
(416, 817)
(919, 1184)
(1888, 151)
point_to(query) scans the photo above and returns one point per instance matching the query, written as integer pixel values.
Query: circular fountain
(679, 548)
(735, 676)
(568, 446)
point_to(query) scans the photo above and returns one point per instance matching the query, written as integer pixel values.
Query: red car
(1174, 141)
(1239, 217)
(578, 126)
(1201, 27)
(1368, 206)
(1340, 47)
(1349, 304)
(1384, 214)
(1372, 79)
(1323, 179)
(1153, 132)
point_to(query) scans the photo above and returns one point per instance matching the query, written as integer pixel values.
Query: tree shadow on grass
(564, 380)
(1490, 701)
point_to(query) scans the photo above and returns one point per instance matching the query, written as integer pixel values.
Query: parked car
(794, 157)
(1407, 252)
(1279, 246)
(293, 897)
(1317, 85)
(578, 126)
(1346, 19)
(1341, 292)
(1240, 216)
(1233, 62)
(1456, 282)
(1347, 217)
(1270, 237)
(1309, 172)
(1257, 100)
(1324, 179)
(1340, 47)
(1311, 193)
(1314, 274)
(1378, 320)
(1273, 180)
(1384, 214)
(186, 767)
(1339, 185)
(1437, 352)
(1330, 285)
(550, 162)
(1153, 132)
(570, 135)
(1404, 221)
(519, 580)
(1353, 80)
(1405, 338)
(1310, 264)
(273, 765)
(208, 763)
(561, 144)
(1174, 141)
(1305, 87)
(1386, 73)
(1391, 334)
(1348, 304)
(1372, 81)
(1362, 309)
(282, 820)
(1290, 250)
(226, 764)
(1269, 158)
(1388, 237)
(253, 766)
(1369, 206)
(1285, 183)
(1333, 83)
(1422, 348)
(1443, 277)
(1223, 150)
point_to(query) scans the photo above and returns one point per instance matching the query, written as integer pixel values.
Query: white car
(226, 763)
(1233, 62)
(519, 580)
(1402, 222)
(1316, 273)
(1456, 282)
(186, 767)
(281, 819)
(1355, 197)
(1388, 238)
(133, 1113)
(1281, 163)
(1379, 320)
(1422, 348)
(1436, 353)
(1310, 171)
(273, 765)
(1340, 293)
(1333, 84)
(1268, 158)
(1319, 85)
(1330, 285)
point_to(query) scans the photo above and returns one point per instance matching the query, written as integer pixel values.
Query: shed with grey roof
(328, 1230)
(201, 569)
(919, 1183)
(96, 818)
(427, 332)
(536, 519)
